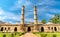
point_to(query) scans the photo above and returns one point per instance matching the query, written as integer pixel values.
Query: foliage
(55, 19)
(43, 21)
(54, 35)
(12, 35)
(43, 35)
(4, 35)
(21, 33)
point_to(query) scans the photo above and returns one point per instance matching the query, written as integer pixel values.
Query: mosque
(36, 27)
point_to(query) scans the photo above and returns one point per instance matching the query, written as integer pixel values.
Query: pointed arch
(42, 29)
(5, 28)
(1, 28)
(15, 29)
(29, 29)
(55, 29)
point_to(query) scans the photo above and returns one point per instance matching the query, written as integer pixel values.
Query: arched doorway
(1, 28)
(15, 29)
(29, 29)
(42, 29)
(55, 29)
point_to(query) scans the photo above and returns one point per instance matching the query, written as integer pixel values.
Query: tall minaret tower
(22, 15)
(35, 15)
(35, 19)
(22, 19)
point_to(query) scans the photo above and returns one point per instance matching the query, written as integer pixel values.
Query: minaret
(35, 19)
(22, 15)
(22, 19)
(35, 15)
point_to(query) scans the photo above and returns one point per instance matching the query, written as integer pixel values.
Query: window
(5, 28)
(49, 28)
(8, 28)
(52, 28)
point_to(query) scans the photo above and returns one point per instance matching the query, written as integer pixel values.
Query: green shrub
(54, 35)
(4, 35)
(21, 33)
(43, 35)
(12, 35)
(35, 32)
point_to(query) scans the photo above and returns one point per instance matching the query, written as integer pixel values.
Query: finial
(22, 5)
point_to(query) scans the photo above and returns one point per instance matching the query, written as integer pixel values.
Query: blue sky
(10, 10)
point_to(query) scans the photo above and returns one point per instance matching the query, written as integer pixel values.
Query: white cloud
(47, 2)
(55, 10)
(19, 3)
(48, 9)
(1, 11)
(49, 15)
(45, 8)
(29, 20)
(8, 15)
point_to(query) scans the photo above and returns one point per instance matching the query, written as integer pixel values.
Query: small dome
(7, 23)
(40, 23)
(49, 23)
(18, 23)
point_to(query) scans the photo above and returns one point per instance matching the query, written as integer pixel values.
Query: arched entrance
(15, 29)
(1, 28)
(55, 28)
(29, 29)
(42, 29)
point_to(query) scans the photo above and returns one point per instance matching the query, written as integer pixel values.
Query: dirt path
(28, 35)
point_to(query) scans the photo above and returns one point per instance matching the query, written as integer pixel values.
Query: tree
(43, 21)
(55, 19)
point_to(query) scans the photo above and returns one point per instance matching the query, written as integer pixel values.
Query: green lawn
(43, 34)
(15, 34)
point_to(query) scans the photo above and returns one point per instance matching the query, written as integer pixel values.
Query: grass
(43, 34)
(14, 34)
(39, 34)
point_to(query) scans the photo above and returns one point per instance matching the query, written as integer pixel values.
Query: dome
(49, 23)
(40, 23)
(7, 23)
(17, 22)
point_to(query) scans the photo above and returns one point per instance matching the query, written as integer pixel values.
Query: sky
(10, 10)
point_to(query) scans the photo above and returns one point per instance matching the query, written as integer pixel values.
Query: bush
(35, 32)
(43, 35)
(12, 35)
(22, 33)
(54, 35)
(4, 35)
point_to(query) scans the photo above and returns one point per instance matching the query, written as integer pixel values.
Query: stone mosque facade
(21, 27)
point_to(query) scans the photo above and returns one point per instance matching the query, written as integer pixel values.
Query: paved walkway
(28, 35)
